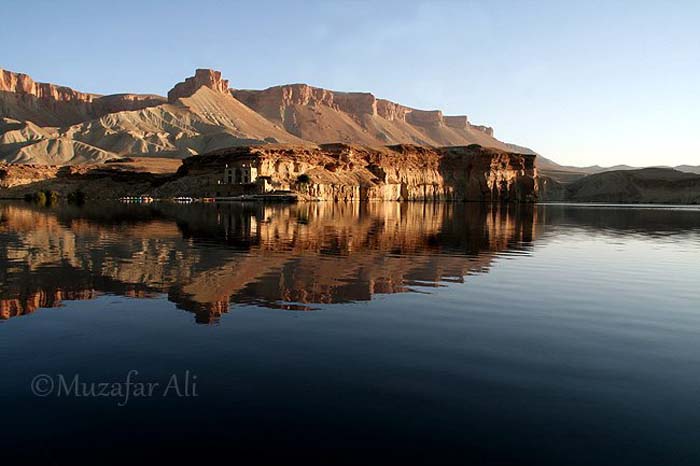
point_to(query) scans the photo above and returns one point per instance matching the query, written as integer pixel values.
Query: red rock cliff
(47, 104)
(273, 102)
(21, 83)
(403, 172)
(202, 78)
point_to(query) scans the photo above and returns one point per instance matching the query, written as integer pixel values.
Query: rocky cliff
(350, 172)
(331, 172)
(46, 104)
(325, 116)
(202, 78)
(47, 124)
(21, 83)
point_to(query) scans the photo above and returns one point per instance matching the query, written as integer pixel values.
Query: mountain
(563, 173)
(324, 116)
(689, 169)
(647, 185)
(197, 117)
(47, 124)
(44, 104)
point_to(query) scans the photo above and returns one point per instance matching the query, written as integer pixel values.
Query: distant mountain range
(549, 166)
(645, 185)
(48, 124)
(43, 123)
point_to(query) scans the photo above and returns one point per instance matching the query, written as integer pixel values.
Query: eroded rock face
(12, 175)
(21, 83)
(321, 115)
(391, 110)
(271, 102)
(403, 172)
(484, 129)
(456, 121)
(50, 124)
(202, 78)
(47, 104)
(425, 117)
(126, 102)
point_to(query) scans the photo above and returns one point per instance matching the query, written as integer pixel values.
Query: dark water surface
(429, 333)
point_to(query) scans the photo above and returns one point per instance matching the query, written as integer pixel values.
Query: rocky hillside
(46, 124)
(44, 104)
(648, 185)
(324, 116)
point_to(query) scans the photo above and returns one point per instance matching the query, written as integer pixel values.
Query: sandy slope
(201, 123)
(325, 116)
(46, 124)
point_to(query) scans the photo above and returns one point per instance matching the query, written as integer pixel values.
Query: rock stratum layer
(46, 124)
(44, 104)
(403, 172)
(333, 172)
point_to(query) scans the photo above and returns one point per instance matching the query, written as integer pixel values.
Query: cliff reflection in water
(207, 257)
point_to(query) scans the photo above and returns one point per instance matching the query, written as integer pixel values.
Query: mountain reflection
(207, 257)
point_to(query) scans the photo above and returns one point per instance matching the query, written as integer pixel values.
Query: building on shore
(242, 177)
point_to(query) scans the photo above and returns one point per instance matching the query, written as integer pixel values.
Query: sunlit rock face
(202, 78)
(47, 104)
(326, 116)
(47, 124)
(405, 172)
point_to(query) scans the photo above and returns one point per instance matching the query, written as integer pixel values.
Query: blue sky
(580, 82)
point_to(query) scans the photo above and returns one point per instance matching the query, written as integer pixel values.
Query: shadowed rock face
(648, 185)
(205, 258)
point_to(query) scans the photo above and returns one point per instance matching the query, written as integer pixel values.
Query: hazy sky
(581, 82)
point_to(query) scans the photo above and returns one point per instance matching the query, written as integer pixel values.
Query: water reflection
(296, 257)
(207, 257)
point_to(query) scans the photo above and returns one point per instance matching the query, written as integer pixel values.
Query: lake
(427, 333)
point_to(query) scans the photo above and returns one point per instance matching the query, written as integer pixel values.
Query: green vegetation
(43, 198)
(303, 179)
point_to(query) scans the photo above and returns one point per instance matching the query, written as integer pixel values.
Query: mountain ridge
(47, 124)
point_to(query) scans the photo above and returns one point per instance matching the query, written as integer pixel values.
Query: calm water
(425, 332)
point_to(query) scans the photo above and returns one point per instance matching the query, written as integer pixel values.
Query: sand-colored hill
(325, 116)
(46, 124)
(202, 122)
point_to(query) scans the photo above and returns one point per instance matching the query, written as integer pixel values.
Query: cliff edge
(351, 172)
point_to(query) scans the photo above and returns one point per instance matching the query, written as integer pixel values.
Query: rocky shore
(327, 172)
